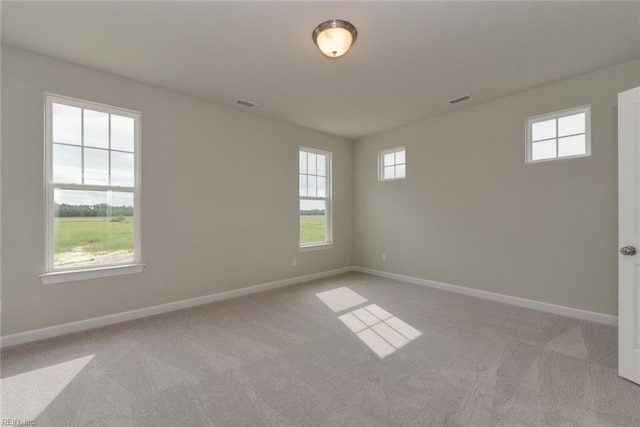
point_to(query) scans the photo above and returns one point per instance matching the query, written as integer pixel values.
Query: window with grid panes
(392, 164)
(315, 197)
(563, 134)
(92, 179)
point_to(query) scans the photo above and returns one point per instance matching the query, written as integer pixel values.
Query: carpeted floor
(350, 350)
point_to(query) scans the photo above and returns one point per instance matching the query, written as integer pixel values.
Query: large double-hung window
(93, 188)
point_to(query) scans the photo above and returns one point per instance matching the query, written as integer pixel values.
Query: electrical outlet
(294, 263)
(384, 257)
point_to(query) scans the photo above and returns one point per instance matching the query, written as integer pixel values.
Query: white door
(629, 234)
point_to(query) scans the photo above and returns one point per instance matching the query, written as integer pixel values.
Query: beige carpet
(350, 350)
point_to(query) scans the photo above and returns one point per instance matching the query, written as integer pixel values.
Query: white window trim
(65, 276)
(316, 247)
(558, 115)
(52, 275)
(328, 233)
(381, 154)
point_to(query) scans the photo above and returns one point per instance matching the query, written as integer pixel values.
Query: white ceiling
(408, 60)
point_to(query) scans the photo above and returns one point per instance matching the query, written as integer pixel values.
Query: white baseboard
(96, 322)
(590, 316)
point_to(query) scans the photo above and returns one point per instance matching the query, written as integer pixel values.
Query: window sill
(392, 179)
(90, 273)
(551, 159)
(317, 247)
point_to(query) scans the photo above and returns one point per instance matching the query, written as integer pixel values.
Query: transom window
(562, 134)
(315, 197)
(92, 173)
(392, 164)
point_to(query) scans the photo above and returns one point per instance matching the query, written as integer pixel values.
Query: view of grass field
(102, 234)
(312, 228)
(93, 234)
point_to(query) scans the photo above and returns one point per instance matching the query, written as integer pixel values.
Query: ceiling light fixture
(334, 37)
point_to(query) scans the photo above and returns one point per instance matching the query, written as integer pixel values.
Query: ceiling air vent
(465, 98)
(245, 104)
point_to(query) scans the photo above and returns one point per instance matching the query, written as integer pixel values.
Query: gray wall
(472, 213)
(219, 197)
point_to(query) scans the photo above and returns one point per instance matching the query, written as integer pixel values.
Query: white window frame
(53, 275)
(381, 165)
(328, 243)
(586, 109)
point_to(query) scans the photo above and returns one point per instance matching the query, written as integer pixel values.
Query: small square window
(392, 164)
(559, 135)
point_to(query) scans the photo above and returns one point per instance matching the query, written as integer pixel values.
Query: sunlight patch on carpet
(26, 395)
(381, 331)
(340, 299)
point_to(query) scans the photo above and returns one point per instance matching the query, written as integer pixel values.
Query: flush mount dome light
(334, 37)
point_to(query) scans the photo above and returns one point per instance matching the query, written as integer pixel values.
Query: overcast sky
(92, 148)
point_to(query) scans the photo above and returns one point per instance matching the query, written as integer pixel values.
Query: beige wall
(472, 213)
(219, 197)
